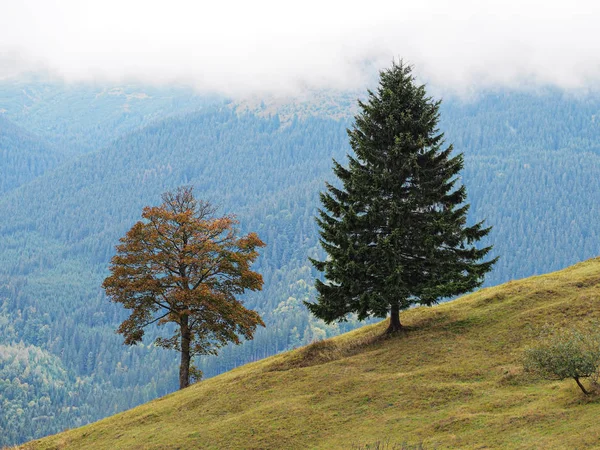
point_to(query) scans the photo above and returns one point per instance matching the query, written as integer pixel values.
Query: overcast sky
(253, 46)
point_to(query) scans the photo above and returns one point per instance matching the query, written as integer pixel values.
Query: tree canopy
(395, 230)
(181, 265)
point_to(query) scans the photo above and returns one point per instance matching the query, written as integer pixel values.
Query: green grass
(452, 380)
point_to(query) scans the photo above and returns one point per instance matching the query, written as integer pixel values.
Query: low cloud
(254, 47)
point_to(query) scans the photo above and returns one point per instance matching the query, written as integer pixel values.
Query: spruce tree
(395, 227)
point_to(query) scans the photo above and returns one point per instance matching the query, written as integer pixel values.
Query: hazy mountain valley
(77, 164)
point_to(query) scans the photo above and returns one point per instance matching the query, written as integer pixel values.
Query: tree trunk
(184, 367)
(395, 324)
(581, 385)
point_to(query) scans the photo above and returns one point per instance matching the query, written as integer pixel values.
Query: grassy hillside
(452, 380)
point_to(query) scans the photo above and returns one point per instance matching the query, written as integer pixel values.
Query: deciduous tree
(566, 353)
(394, 228)
(182, 265)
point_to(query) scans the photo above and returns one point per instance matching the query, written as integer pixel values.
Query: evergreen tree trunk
(184, 367)
(395, 324)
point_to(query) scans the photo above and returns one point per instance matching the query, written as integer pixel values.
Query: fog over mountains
(239, 48)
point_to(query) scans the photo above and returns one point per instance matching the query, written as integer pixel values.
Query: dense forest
(24, 156)
(532, 164)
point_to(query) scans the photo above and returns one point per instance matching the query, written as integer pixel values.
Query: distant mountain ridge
(88, 116)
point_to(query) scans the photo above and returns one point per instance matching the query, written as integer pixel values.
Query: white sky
(258, 46)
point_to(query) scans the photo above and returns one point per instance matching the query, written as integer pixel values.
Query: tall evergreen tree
(395, 229)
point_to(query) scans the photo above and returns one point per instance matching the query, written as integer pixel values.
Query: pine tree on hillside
(395, 229)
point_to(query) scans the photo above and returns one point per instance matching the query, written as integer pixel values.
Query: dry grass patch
(327, 350)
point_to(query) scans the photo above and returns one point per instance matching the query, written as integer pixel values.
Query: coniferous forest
(71, 184)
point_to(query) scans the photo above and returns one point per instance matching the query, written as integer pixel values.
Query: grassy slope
(453, 380)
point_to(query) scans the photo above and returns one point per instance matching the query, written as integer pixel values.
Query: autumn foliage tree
(182, 265)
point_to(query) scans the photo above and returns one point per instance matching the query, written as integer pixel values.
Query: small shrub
(566, 353)
(195, 374)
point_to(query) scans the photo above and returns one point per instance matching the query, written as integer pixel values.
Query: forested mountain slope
(24, 156)
(532, 166)
(533, 171)
(453, 379)
(60, 233)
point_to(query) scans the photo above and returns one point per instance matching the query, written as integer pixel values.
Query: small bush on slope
(566, 353)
